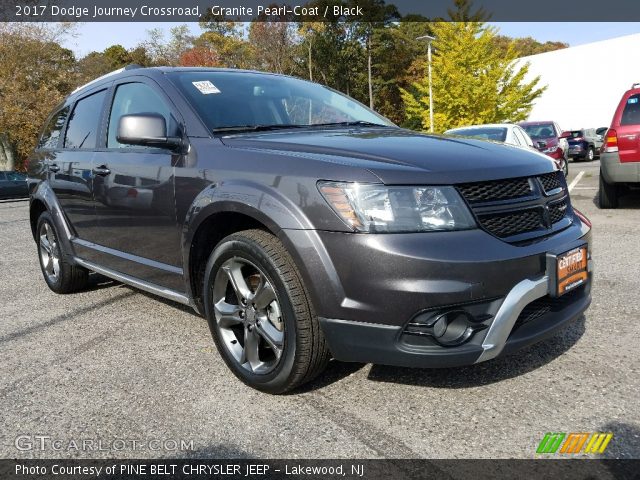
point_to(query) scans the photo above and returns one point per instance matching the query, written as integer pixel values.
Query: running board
(135, 282)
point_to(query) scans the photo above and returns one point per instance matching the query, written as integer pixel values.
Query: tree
(378, 17)
(163, 51)
(273, 45)
(473, 82)
(527, 46)
(37, 73)
(200, 56)
(308, 31)
(225, 40)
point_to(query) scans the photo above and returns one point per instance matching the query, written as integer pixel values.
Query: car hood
(398, 156)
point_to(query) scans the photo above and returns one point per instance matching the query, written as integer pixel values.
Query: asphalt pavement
(113, 372)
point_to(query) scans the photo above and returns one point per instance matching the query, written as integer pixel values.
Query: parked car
(500, 132)
(13, 185)
(305, 226)
(620, 153)
(601, 131)
(584, 144)
(548, 139)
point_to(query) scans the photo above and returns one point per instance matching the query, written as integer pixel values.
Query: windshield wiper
(357, 123)
(254, 128)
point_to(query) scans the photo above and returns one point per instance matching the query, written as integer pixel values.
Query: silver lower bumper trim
(519, 297)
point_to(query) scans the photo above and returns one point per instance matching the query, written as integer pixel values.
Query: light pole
(429, 39)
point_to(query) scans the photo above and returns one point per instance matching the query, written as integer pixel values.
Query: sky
(98, 36)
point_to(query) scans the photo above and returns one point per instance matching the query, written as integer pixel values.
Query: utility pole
(429, 39)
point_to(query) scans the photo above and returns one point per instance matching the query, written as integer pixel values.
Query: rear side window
(631, 112)
(84, 123)
(520, 135)
(51, 132)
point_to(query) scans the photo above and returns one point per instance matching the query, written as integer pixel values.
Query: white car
(499, 132)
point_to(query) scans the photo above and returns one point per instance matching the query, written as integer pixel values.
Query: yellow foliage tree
(473, 82)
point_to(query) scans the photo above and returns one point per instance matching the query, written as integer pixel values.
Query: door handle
(54, 168)
(102, 170)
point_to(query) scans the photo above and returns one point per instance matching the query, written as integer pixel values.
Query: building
(585, 82)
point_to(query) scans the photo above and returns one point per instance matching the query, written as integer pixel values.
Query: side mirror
(565, 134)
(541, 145)
(145, 130)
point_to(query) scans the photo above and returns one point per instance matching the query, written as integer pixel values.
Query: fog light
(448, 329)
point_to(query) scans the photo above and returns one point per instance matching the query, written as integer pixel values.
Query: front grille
(511, 224)
(551, 181)
(495, 190)
(546, 304)
(519, 209)
(558, 210)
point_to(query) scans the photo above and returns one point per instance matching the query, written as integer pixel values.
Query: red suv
(620, 152)
(550, 140)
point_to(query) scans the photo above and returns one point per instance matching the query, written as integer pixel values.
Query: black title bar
(315, 10)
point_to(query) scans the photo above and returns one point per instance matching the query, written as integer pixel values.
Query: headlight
(378, 208)
(550, 149)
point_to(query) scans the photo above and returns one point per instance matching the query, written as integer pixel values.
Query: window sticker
(206, 87)
(633, 100)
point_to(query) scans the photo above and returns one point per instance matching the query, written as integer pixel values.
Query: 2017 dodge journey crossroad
(303, 225)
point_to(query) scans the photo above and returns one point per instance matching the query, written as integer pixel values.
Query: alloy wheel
(49, 252)
(248, 315)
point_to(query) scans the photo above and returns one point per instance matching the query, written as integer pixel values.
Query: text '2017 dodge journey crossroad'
(303, 225)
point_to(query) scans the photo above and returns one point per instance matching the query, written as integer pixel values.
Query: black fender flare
(44, 193)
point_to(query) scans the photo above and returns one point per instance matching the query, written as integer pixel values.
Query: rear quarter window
(82, 132)
(631, 112)
(51, 132)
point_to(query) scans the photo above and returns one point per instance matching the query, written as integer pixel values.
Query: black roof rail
(133, 66)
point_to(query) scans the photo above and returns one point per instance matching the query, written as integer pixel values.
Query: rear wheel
(608, 194)
(60, 275)
(591, 154)
(259, 313)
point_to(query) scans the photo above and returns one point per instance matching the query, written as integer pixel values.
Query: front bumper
(517, 324)
(367, 289)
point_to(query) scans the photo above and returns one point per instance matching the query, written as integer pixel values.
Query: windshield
(539, 130)
(226, 100)
(484, 133)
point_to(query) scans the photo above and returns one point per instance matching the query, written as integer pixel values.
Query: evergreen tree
(473, 82)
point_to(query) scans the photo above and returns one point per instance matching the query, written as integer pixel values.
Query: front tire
(260, 315)
(61, 276)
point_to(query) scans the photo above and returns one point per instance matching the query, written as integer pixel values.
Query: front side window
(84, 123)
(130, 99)
(226, 100)
(51, 132)
(16, 176)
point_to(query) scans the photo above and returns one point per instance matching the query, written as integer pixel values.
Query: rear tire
(260, 315)
(61, 276)
(608, 194)
(591, 155)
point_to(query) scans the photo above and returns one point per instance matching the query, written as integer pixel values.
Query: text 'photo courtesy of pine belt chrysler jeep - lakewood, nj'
(304, 226)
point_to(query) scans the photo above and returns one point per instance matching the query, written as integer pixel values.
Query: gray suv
(303, 225)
